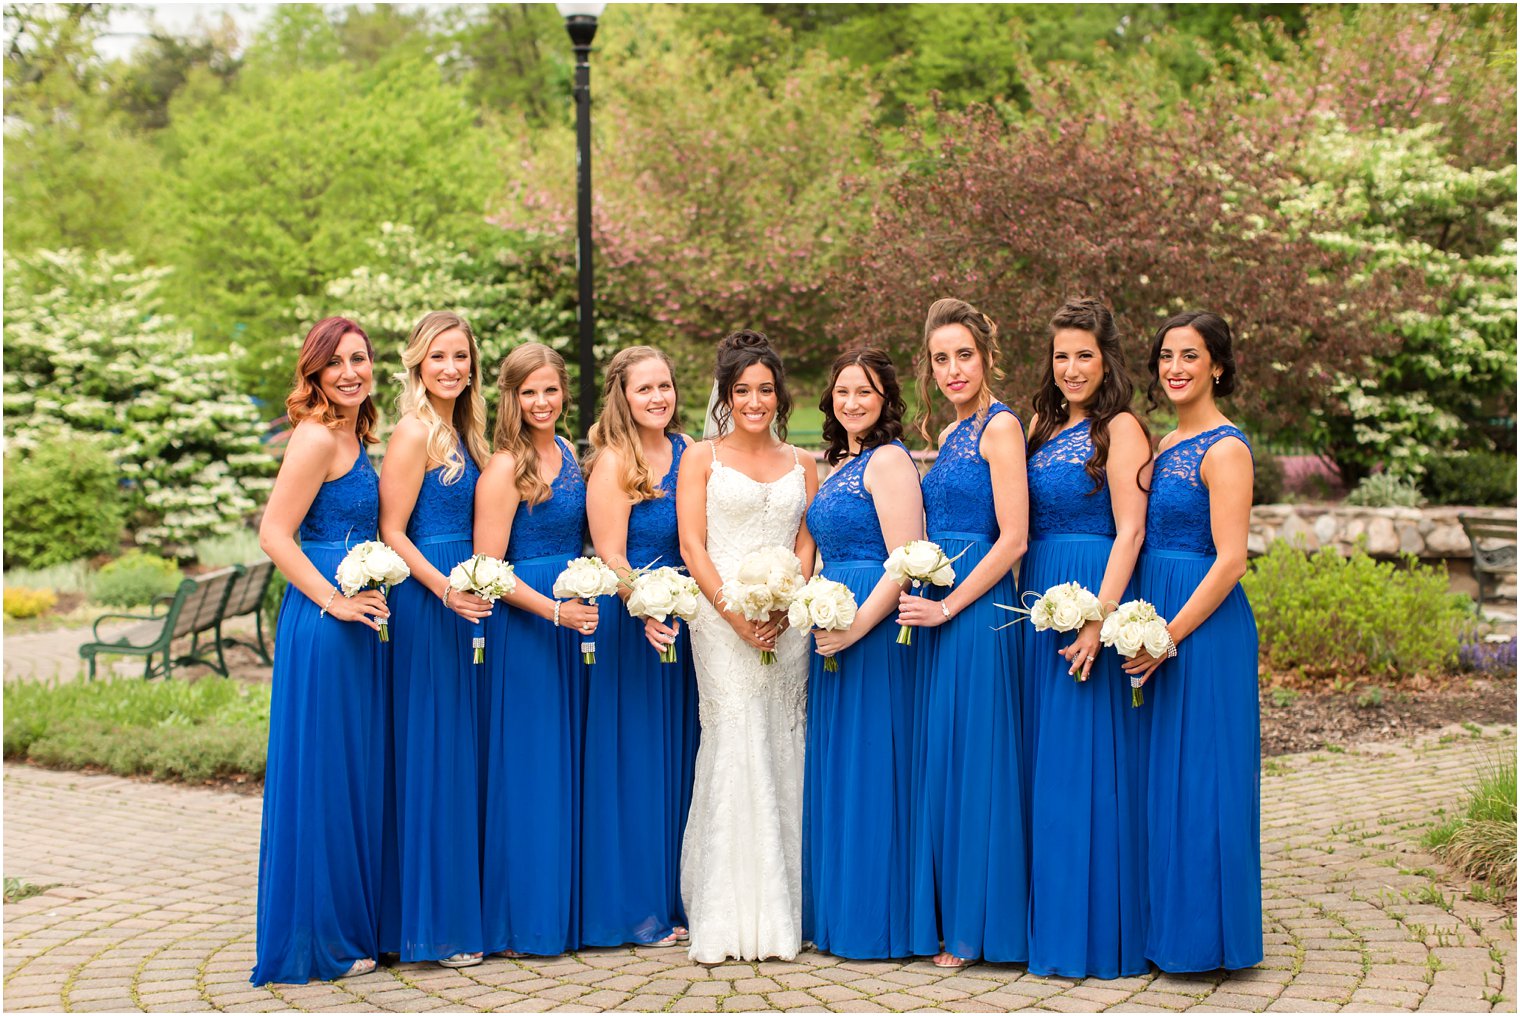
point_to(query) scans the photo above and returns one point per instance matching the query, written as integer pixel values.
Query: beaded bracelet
(447, 592)
(330, 598)
(557, 605)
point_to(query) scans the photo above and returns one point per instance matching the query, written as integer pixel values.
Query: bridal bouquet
(372, 565)
(661, 593)
(766, 581)
(586, 578)
(919, 561)
(824, 604)
(489, 578)
(1133, 627)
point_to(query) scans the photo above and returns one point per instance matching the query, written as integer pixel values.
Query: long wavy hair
(511, 430)
(984, 333)
(1115, 394)
(469, 416)
(737, 353)
(306, 400)
(881, 375)
(616, 430)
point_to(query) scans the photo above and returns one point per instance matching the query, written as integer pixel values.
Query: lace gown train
(741, 861)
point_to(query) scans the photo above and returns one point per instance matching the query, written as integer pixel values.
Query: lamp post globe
(580, 23)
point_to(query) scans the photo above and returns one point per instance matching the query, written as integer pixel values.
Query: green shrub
(1384, 490)
(72, 577)
(23, 602)
(135, 578)
(1269, 485)
(1328, 614)
(241, 547)
(1477, 478)
(173, 730)
(62, 502)
(1481, 842)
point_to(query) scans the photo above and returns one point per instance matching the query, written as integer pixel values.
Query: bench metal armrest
(95, 628)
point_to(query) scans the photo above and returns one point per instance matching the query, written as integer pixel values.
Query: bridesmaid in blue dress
(970, 893)
(641, 714)
(1083, 741)
(530, 507)
(859, 752)
(1203, 806)
(320, 842)
(427, 501)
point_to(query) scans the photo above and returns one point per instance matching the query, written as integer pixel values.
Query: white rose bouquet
(489, 578)
(661, 593)
(586, 578)
(1135, 626)
(919, 561)
(766, 581)
(372, 565)
(824, 604)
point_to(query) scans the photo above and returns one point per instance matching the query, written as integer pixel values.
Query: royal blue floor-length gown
(855, 791)
(534, 738)
(1083, 740)
(641, 746)
(436, 725)
(320, 842)
(969, 858)
(1203, 807)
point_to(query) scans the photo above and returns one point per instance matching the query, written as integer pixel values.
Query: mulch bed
(1299, 715)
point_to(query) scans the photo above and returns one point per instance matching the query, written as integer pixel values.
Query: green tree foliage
(88, 354)
(275, 187)
(62, 503)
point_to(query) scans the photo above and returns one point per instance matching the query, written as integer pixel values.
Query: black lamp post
(580, 22)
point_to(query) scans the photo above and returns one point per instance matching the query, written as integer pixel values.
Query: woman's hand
(579, 615)
(466, 604)
(832, 643)
(1083, 652)
(363, 607)
(920, 611)
(659, 634)
(1142, 665)
(771, 628)
(748, 631)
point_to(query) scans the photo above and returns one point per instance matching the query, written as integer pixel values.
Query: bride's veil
(710, 426)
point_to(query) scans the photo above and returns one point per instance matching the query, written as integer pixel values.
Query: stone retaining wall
(1424, 532)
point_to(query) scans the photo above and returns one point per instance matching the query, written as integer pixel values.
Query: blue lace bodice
(842, 517)
(552, 527)
(1061, 496)
(346, 509)
(958, 487)
(445, 509)
(652, 534)
(1178, 516)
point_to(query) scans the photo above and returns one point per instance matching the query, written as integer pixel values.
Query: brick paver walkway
(155, 892)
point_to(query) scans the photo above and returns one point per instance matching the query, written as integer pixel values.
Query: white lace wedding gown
(741, 860)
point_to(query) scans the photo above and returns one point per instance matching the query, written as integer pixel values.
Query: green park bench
(1493, 547)
(198, 607)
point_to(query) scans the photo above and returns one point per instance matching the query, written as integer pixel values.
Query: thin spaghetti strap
(714, 446)
(795, 462)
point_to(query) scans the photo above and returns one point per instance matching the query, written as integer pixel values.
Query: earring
(1216, 379)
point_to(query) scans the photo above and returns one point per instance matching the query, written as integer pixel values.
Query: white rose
(798, 615)
(350, 576)
(846, 611)
(825, 614)
(1066, 616)
(943, 576)
(1156, 638)
(686, 604)
(1129, 640)
(754, 570)
(921, 557)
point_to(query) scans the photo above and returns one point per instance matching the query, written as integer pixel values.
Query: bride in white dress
(741, 860)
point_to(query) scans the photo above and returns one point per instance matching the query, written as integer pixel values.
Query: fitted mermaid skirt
(1203, 807)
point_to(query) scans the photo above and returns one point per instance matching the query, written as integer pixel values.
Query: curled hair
(984, 332)
(737, 353)
(615, 429)
(469, 415)
(882, 377)
(1217, 339)
(1115, 392)
(511, 430)
(307, 400)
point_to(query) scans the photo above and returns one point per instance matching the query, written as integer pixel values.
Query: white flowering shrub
(1448, 374)
(89, 354)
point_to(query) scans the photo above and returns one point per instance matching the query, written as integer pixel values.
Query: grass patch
(1481, 842)
(210, 730)
(18, 889)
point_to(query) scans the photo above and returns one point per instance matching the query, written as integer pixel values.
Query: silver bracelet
(944, 608)
(557, 605)
(326, 606)
(447, 592)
